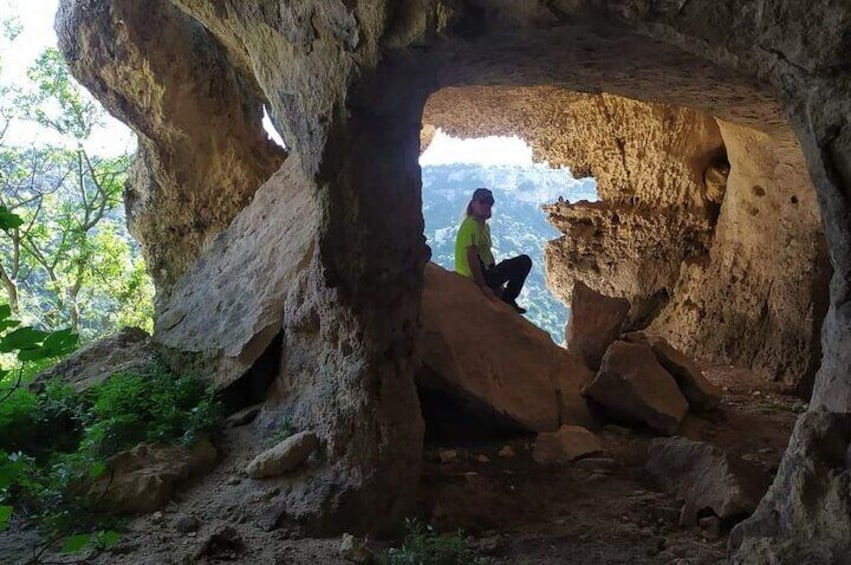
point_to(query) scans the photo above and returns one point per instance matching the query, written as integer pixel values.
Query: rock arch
(346, 82)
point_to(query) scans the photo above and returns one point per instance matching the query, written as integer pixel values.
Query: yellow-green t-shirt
(478, 234)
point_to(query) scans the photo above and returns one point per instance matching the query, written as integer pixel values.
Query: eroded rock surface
(595, 322)
(202, 149)
(346, 83)
(800, 519)
(144, 478)
(130, 350)
(706, 478)
(631, 384)
(699, 391)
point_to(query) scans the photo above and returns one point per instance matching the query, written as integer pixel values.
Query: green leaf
(107, 538)
(9, 220)
(5, 516)
(22, 339)
(97, 469)
(60, 343)
(73, 544)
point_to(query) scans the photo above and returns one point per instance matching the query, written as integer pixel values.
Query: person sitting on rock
(474, 260)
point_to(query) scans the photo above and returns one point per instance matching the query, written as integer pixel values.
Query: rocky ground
(605, 509)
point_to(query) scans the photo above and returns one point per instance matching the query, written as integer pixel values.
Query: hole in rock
(453, 419)
(252, 387)
(272, 130)
(453, 167)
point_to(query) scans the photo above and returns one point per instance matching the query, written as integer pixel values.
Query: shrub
(157, 406)
(423, 545)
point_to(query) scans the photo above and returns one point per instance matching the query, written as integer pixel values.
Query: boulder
(700, 393)
(705, 477)
(631, 384)
(565, 445)
(595, 322)
(480, 349)
(129, 350)
(284, 457)
(144, 478)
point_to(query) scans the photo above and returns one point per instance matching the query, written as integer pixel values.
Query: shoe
(513, 303)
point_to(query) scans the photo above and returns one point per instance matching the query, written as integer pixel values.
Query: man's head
(480, 203)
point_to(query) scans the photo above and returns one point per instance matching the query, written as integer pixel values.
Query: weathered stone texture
(481, 349)
(632, 385)
(804, 516)
(595, 322)
(202, 150)
(346, 83)
(704, 477)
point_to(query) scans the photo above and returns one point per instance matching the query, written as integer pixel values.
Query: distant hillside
(518, 224)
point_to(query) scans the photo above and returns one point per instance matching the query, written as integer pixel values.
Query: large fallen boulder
(595, 322)
(129, 350)
(706, 478)
(477, 348)
(632, 385)
(700, 393)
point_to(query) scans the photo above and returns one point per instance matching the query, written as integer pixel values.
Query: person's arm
(476, 269)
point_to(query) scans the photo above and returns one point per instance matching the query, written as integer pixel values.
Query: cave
(323, 244)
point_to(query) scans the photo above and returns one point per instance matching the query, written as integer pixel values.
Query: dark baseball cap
(483, 195)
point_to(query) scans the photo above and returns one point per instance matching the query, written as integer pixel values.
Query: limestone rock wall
(202, 150)
(346, 83)
(709, 228)
(759, 297)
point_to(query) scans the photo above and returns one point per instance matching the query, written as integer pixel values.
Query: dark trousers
(512, 271)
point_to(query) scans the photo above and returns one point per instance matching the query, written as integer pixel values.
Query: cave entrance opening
(691, 222)
(452, 167)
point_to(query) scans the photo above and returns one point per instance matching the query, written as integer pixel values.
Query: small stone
(447, 455)
(506, 451)
(234, 481)
(487, 545)
(483, 459)
(243, 417)
(599, 464)
(756, 393)
(711, 526)
(283, 457)
(186, 523)
(157, 517)
(353, 550)
(766, 451)
(597, 477)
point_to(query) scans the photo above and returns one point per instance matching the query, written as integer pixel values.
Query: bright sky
(482, 150)
(36, 17)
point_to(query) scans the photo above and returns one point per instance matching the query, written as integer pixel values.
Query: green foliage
(155, 407)
(5, 515)
(57, 440)
(424, 546)
(285, 431)
(65, 256)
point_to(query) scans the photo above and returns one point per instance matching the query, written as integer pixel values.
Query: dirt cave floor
(603, 510)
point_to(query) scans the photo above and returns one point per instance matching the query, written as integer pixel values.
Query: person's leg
(515, 271)
(493, 278)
